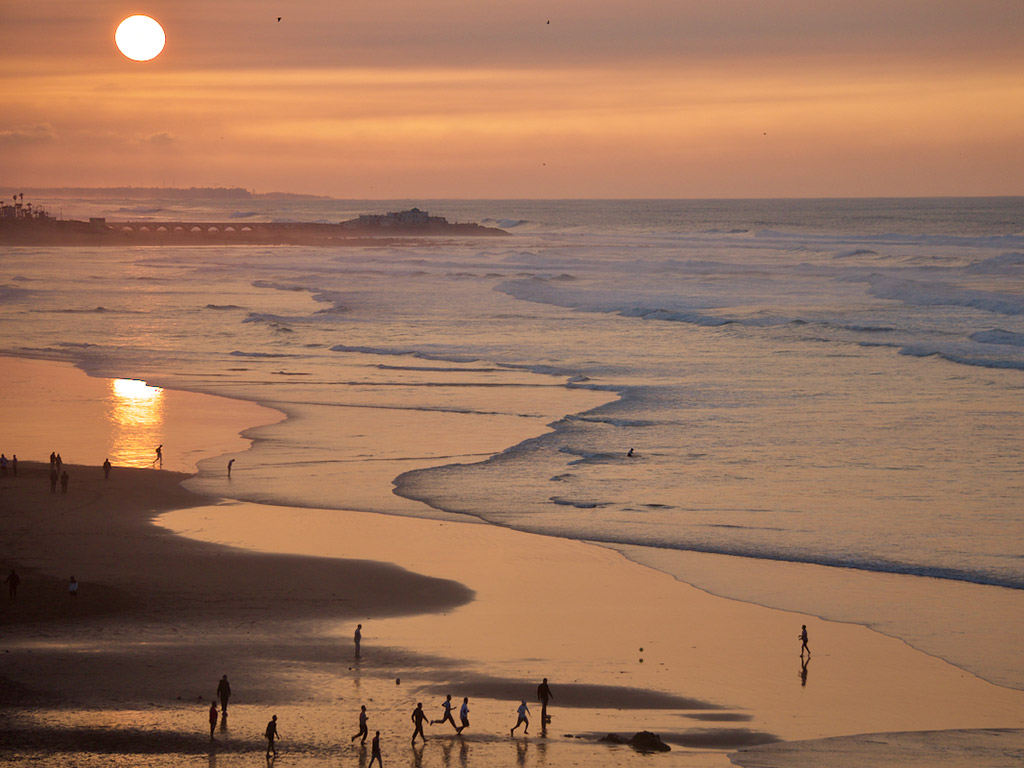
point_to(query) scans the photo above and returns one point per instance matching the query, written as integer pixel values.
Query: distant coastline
(25, 224)
(170, 193)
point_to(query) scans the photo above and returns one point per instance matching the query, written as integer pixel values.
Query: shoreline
(504, 608)
(950, 630)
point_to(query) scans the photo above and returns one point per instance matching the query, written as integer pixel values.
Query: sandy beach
(178, 589)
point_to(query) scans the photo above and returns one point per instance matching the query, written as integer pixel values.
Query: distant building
(22, 211)
(412, 217)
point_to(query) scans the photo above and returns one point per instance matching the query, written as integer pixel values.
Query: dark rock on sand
(644, 741)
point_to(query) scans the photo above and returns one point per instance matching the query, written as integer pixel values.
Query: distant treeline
(174, 193)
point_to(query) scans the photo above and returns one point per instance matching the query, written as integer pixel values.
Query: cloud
(162, 139)
(32, 134)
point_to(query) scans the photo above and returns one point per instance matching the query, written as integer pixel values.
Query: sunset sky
(647, 98)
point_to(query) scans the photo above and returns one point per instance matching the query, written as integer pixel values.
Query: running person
(448, 707)
(523, 719)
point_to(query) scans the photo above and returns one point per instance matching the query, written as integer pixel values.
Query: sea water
(828, 382)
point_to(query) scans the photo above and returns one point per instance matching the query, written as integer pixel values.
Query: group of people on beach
(418, 718)
(57, 472)
(4, 463)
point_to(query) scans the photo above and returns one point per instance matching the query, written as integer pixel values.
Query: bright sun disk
(140, 38)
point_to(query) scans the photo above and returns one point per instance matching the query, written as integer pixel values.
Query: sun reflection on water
(136, 414)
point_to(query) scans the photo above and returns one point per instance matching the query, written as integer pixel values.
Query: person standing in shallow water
(12, 582)
(213, 718)
(543, 695)
(357, 638)
(803, 642)
(224, 693)
(417, 718)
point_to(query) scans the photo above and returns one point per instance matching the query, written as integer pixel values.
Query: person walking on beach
(417, 718)
(357, 638)
(232, 461)
(224, 693)
(271, 734)
(64, 481)
(363, 731)
(544, 695)
(803, 642)
(3, 464)
(523, 719)
(463, 716)
(53, 459)
(213, 718)
(448, 707)
(159, 456)
(375, 751)
(73, 587)
(14, 464)
(12, 582)
(59, 463)
(106, 469)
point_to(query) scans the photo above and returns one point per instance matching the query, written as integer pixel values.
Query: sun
(140, 38)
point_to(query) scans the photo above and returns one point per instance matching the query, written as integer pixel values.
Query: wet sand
(124, 673)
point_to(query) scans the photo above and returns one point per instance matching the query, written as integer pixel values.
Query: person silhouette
(363, 731)
(523, 711)
(375, 751)
(54, 477)
(3, 464)
(803, 642)
(448, 707)
(630, 452)
(12, 581)
(14, 464)
(463, 716)
(213, 718)
(544, 695)
(417, 718)
(64, 481)
(106, 469)
(271, 735)
(357, 638)
(803, 670)
(159, 455)
(232, 461)
(224, 693)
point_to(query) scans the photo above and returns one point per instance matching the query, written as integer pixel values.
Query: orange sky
(651, 98)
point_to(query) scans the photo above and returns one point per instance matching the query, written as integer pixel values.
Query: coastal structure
(25, 224)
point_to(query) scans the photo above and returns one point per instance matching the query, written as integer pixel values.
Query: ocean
(834, 384)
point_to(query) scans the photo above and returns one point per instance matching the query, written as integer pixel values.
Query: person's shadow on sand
(803, 671)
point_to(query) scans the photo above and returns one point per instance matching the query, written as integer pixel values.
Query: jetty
(24, 224)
